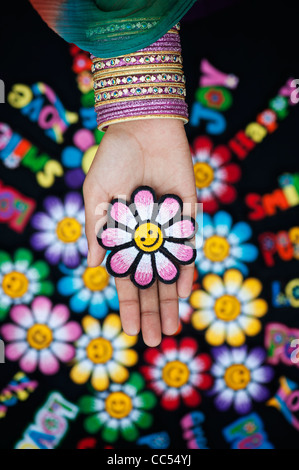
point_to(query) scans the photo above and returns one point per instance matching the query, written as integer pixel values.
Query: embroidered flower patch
(214, 173)
(177, 372)
(240, 378)
(60, 230)
(148, 239)
(229, 308)
(40, 337)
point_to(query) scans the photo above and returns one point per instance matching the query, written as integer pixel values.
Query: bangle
(147, 84)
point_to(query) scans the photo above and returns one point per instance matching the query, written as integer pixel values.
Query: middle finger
(150, 315)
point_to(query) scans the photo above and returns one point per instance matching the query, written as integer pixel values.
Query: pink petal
(167, 210)
(28, 362)
(22, 315)
(14, 351)
(166, 269)
(41, 308)
(114, 237)
(122, 260)
(59, 316)
(48, 363)
(64, 352)
(69, 332)
(12, 332)
(122, 214)
(181, 252)
(144, 271)
(182, 229)
(144, 202)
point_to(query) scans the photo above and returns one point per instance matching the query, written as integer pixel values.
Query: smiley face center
(237, 376)
(96, 279)
(216, 248)
(118, 405)
(175, 374)
(148, 237)
(39, 336)
(204, 174)
(68, 230)
(227, 307)
(15, 284)
(99, 350)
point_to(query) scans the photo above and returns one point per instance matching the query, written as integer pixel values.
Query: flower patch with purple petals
(148, 239)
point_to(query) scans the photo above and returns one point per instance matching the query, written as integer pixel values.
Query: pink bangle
(144, 85)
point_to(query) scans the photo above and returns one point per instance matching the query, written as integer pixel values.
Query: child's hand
(152, 152)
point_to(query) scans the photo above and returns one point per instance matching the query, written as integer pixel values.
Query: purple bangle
(162, 108)
(157, 106)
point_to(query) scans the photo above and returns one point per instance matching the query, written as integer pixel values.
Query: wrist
(148, 84)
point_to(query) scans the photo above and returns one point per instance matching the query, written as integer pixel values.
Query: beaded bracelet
(144, 85)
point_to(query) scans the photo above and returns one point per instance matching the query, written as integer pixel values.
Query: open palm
(151, 152)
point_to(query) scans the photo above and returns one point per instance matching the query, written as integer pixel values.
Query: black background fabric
(257, 42)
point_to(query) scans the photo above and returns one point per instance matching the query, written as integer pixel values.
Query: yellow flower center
(216, 248)
(96, 279)
(237, 376)
(15, 284)
(39, 336)
(175, 374)
(227, 307)
(118, 405)
(204, 174)
(148, 237)
(68, 230)
(99, 350)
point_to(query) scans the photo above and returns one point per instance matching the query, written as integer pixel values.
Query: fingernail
(184, 292)
(133, 332)
(184, 295)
